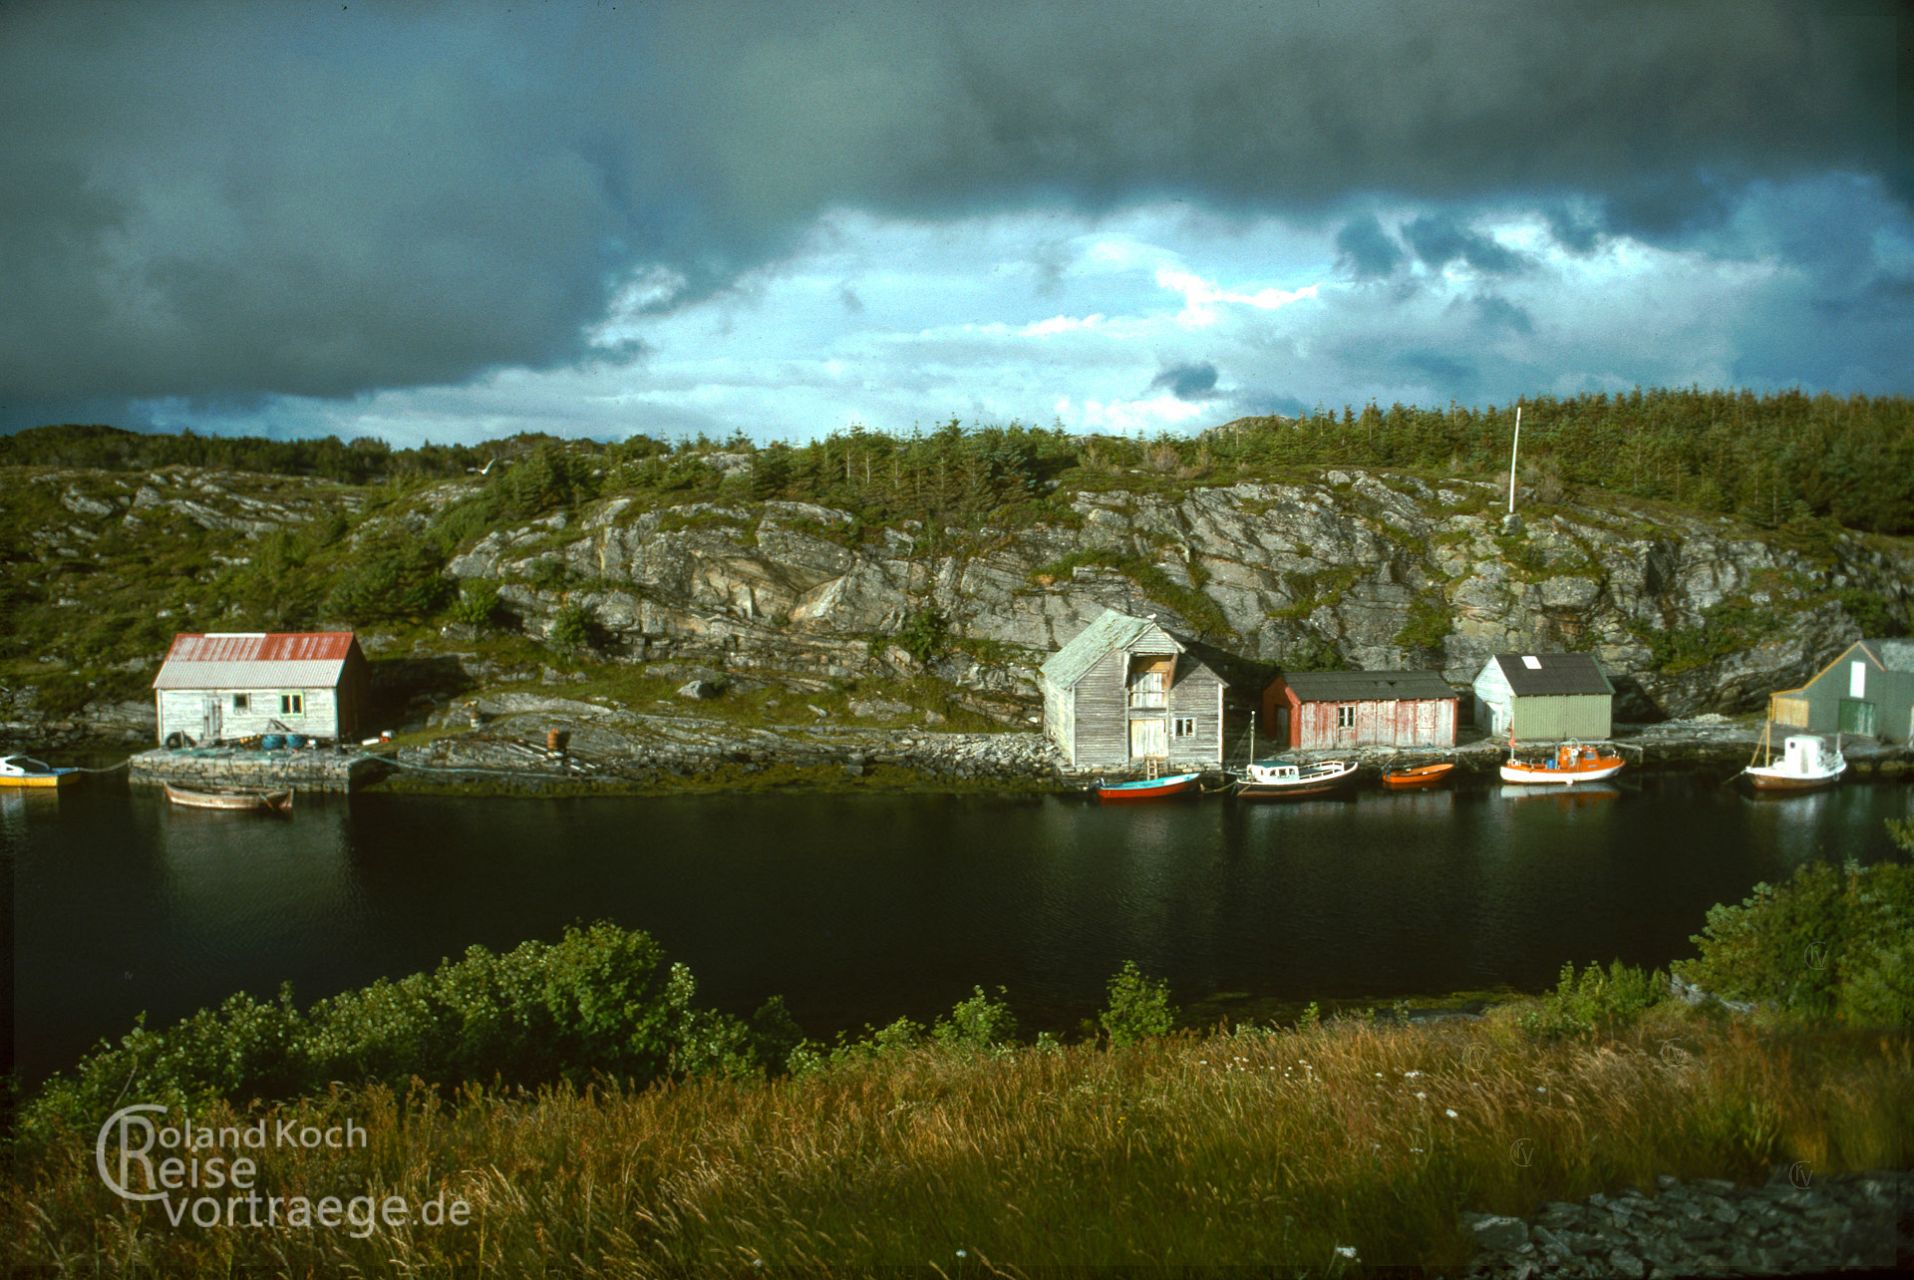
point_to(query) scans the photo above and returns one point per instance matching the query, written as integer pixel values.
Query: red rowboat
(1409, 777)
(1173, 787)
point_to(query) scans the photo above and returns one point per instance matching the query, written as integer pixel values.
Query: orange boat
(1572, 762)
(1409, 777)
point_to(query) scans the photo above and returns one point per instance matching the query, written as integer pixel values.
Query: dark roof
(1366, 686)
(1556, 673)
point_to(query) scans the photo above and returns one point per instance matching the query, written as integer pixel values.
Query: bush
(1830, 943)
(389, 582)
(1595, 1000)
(978, 1023)
(1139, 1007)
(597, 1001)
(574, 628)
(924, 635)
(477, 605)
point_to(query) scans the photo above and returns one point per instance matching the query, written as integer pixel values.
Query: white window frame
(292, 704)
(1345, 717)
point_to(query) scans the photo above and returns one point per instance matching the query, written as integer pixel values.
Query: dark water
(859, 909)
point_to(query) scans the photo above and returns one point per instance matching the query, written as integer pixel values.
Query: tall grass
(1257, 1148)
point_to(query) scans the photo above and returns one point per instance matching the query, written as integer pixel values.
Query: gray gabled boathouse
(1125, 693)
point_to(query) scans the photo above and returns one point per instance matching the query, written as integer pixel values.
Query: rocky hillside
(1359, 568)
(1365, 570)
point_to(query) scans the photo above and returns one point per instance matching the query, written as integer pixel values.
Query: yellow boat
(25, 771)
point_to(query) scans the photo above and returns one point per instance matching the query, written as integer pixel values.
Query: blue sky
(455, 222)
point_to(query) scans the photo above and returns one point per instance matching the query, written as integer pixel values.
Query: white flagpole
(1517, 444)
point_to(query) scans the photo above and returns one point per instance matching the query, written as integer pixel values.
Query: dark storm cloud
(206, 200)
(1499, 313)
(1187, 381)
(1365, 251)
(1439, 240)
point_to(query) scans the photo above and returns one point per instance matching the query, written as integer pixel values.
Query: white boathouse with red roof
(223, 686)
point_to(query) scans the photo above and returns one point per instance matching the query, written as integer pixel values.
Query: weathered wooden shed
(1867, 691)
(1313, 710)
(1544, 697)
(1125, 691)
(220, 687)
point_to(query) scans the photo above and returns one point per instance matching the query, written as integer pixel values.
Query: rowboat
(244, 801)
(1572, 762)
(1806, 763)
(1170, 787)
(1408, 777)
(1284, 780)
(25, 771)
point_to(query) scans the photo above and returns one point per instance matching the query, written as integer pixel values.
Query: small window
(1532, 662)
(1185, 727)
(242, 702)
(292, 704)
(1345, 717)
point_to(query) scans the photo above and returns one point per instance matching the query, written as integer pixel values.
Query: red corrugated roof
(261, 646)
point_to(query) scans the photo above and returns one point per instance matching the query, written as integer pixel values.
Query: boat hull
(1780, 783)
(1300, 791)
(1417, 778)
(1173, 788)
(1543, 775)
(231, 801)
(39, 781)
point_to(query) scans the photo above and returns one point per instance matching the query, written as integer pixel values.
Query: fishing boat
(1807, 762)
(1169, 787)
(1411, 777)
(1571, 763)
(25, 771)
(1286, 780)
(242, 801)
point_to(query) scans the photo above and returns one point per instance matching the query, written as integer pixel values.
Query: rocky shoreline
(1799, 1222)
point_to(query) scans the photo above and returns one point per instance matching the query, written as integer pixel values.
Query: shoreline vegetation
(600, 1121)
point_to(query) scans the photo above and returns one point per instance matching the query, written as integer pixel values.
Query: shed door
(1148, 739)
(1857, 717)
(210, 731)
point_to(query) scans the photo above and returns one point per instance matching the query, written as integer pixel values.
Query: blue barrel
(271, 741)
(295, 739)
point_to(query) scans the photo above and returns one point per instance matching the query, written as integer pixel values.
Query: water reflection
(859, 909)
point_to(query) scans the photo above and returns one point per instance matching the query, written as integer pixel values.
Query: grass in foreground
(1258, 1148)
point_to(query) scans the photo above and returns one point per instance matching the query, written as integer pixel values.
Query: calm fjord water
(862, 908)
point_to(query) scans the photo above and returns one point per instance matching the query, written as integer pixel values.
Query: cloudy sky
(455, 221)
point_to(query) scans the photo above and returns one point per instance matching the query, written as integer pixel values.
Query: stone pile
(1798, 1223)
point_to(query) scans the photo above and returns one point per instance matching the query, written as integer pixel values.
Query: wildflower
(1421, 1095)
(1449, 1112)
(1541, 1088)
(962, 1254)
(1378, 1075)
(1346, 1251)
(1202, 1062)
(1417, 1150)
(1412, 1075)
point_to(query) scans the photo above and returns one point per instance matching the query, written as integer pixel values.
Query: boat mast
(1515, 446)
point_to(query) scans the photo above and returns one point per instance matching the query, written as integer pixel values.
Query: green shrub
(388, 582)
(1830, 943)
(924, 635)
(978, 1023)
(1595, 1000)
(477, 605)
(574, 627)
(1139, 1007)
(597, 1001)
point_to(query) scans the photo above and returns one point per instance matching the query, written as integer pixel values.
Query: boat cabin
(1126, 693)
(1807, 756)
